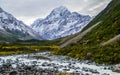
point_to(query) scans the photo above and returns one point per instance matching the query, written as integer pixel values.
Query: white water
(61, 62)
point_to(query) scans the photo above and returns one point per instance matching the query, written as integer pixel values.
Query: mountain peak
(60, 10)
(60, 23)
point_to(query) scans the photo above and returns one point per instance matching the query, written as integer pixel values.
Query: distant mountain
(60, 23)
(12, 29)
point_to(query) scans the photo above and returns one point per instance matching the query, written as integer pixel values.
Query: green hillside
(34, 42)
(110, 26)
(89, 47)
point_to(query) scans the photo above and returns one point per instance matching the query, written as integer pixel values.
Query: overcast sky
(29, 10)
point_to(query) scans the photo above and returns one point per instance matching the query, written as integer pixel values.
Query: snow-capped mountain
(60, 23)
(9, 25)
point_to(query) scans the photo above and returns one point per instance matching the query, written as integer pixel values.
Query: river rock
(88, 56)
(116, 68)
(13, 73)
(105, 74)
(94, 71)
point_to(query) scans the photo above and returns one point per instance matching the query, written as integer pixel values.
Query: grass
(109, 54)
(3, 53)
(9, 50)
(37, 42)
(29, 46)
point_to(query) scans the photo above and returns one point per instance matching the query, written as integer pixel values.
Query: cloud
(29, 10)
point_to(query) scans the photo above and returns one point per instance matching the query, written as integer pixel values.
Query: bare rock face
(116, 68)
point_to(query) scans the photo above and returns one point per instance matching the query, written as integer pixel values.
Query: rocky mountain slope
(60, 23)
(107, 28)
(78, 37)
(13, 29)
(105, 33)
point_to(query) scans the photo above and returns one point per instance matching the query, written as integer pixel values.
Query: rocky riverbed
(46, 64)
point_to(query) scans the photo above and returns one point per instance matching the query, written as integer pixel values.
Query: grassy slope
(90, 43)
(110, 26)
(109, 54)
